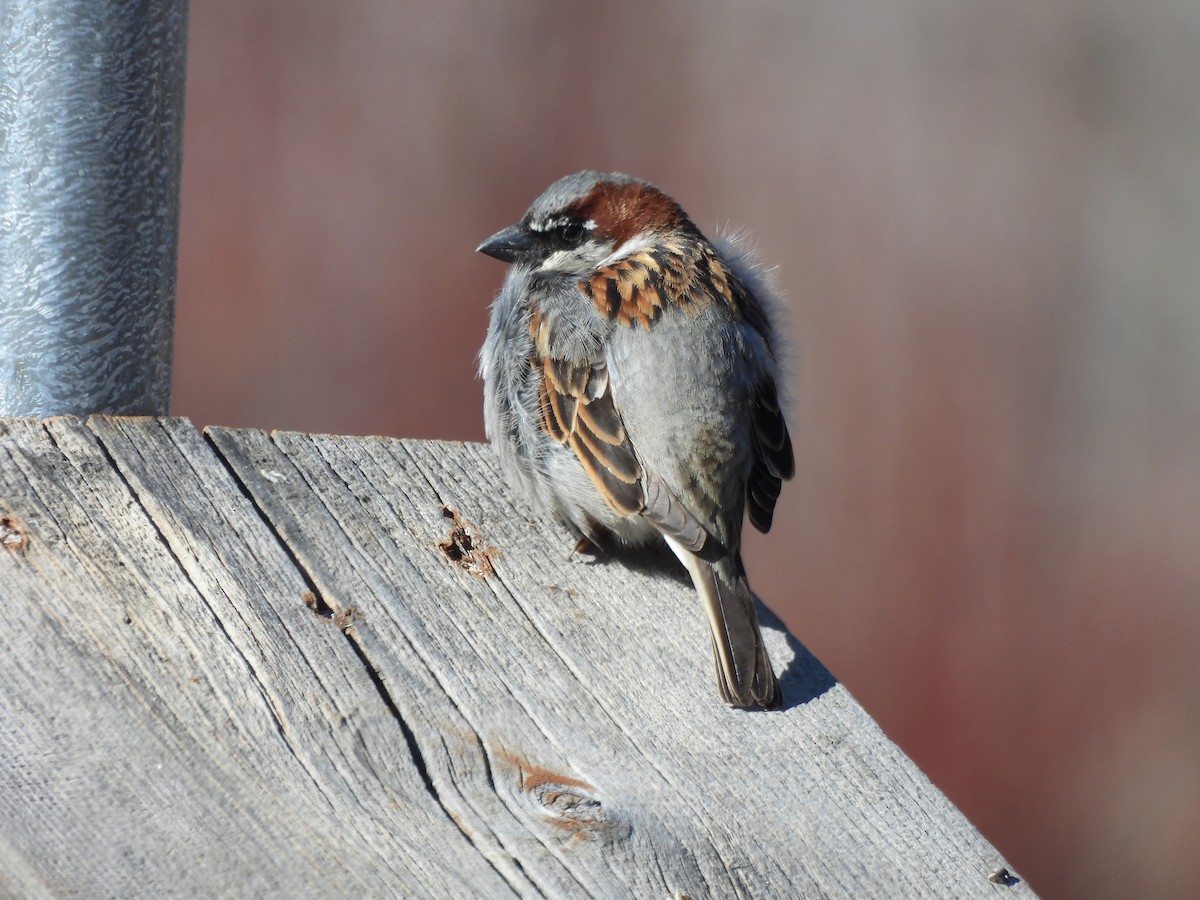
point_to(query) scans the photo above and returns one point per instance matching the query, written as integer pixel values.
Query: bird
(632, 388)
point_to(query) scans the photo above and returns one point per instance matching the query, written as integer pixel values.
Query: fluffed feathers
(631, 386)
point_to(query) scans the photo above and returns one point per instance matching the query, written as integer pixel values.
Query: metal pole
(91, 116)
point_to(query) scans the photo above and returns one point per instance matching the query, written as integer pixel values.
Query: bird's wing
(773, 458)
(749, 292)
(577, 408)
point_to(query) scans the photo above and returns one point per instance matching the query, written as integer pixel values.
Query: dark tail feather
(744, 674)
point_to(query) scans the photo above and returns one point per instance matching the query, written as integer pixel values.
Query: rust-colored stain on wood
(533, 777)
(570, 805)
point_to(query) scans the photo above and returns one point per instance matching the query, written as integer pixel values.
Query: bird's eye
(572, 232)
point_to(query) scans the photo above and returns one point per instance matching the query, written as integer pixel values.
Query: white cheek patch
(630, 247)
(563, 261)
(577, 260)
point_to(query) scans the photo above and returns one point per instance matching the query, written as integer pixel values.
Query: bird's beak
(508, 244)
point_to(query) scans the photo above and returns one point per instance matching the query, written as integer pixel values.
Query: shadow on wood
(256, 664)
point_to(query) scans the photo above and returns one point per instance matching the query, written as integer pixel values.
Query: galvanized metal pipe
(91, 117)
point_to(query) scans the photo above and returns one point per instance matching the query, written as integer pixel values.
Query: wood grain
(250, 664)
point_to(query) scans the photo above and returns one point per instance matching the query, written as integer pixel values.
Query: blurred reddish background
(987, 217)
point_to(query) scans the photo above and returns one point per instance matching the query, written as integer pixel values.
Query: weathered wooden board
(243, 664)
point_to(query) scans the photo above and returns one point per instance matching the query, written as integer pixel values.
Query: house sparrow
(630, 388)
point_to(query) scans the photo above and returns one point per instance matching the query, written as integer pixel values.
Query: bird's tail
(744, 674)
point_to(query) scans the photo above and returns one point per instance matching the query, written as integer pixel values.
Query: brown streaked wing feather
(623, 496)
(603, 420)
(617, 456)
(548, 419)
(578, 410)
(559, 406)
(568, 378)
(565, 408)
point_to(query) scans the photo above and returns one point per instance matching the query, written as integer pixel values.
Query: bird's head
(587, 220)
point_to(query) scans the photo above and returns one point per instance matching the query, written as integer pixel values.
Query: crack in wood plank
(344, 619)
(240, 468)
